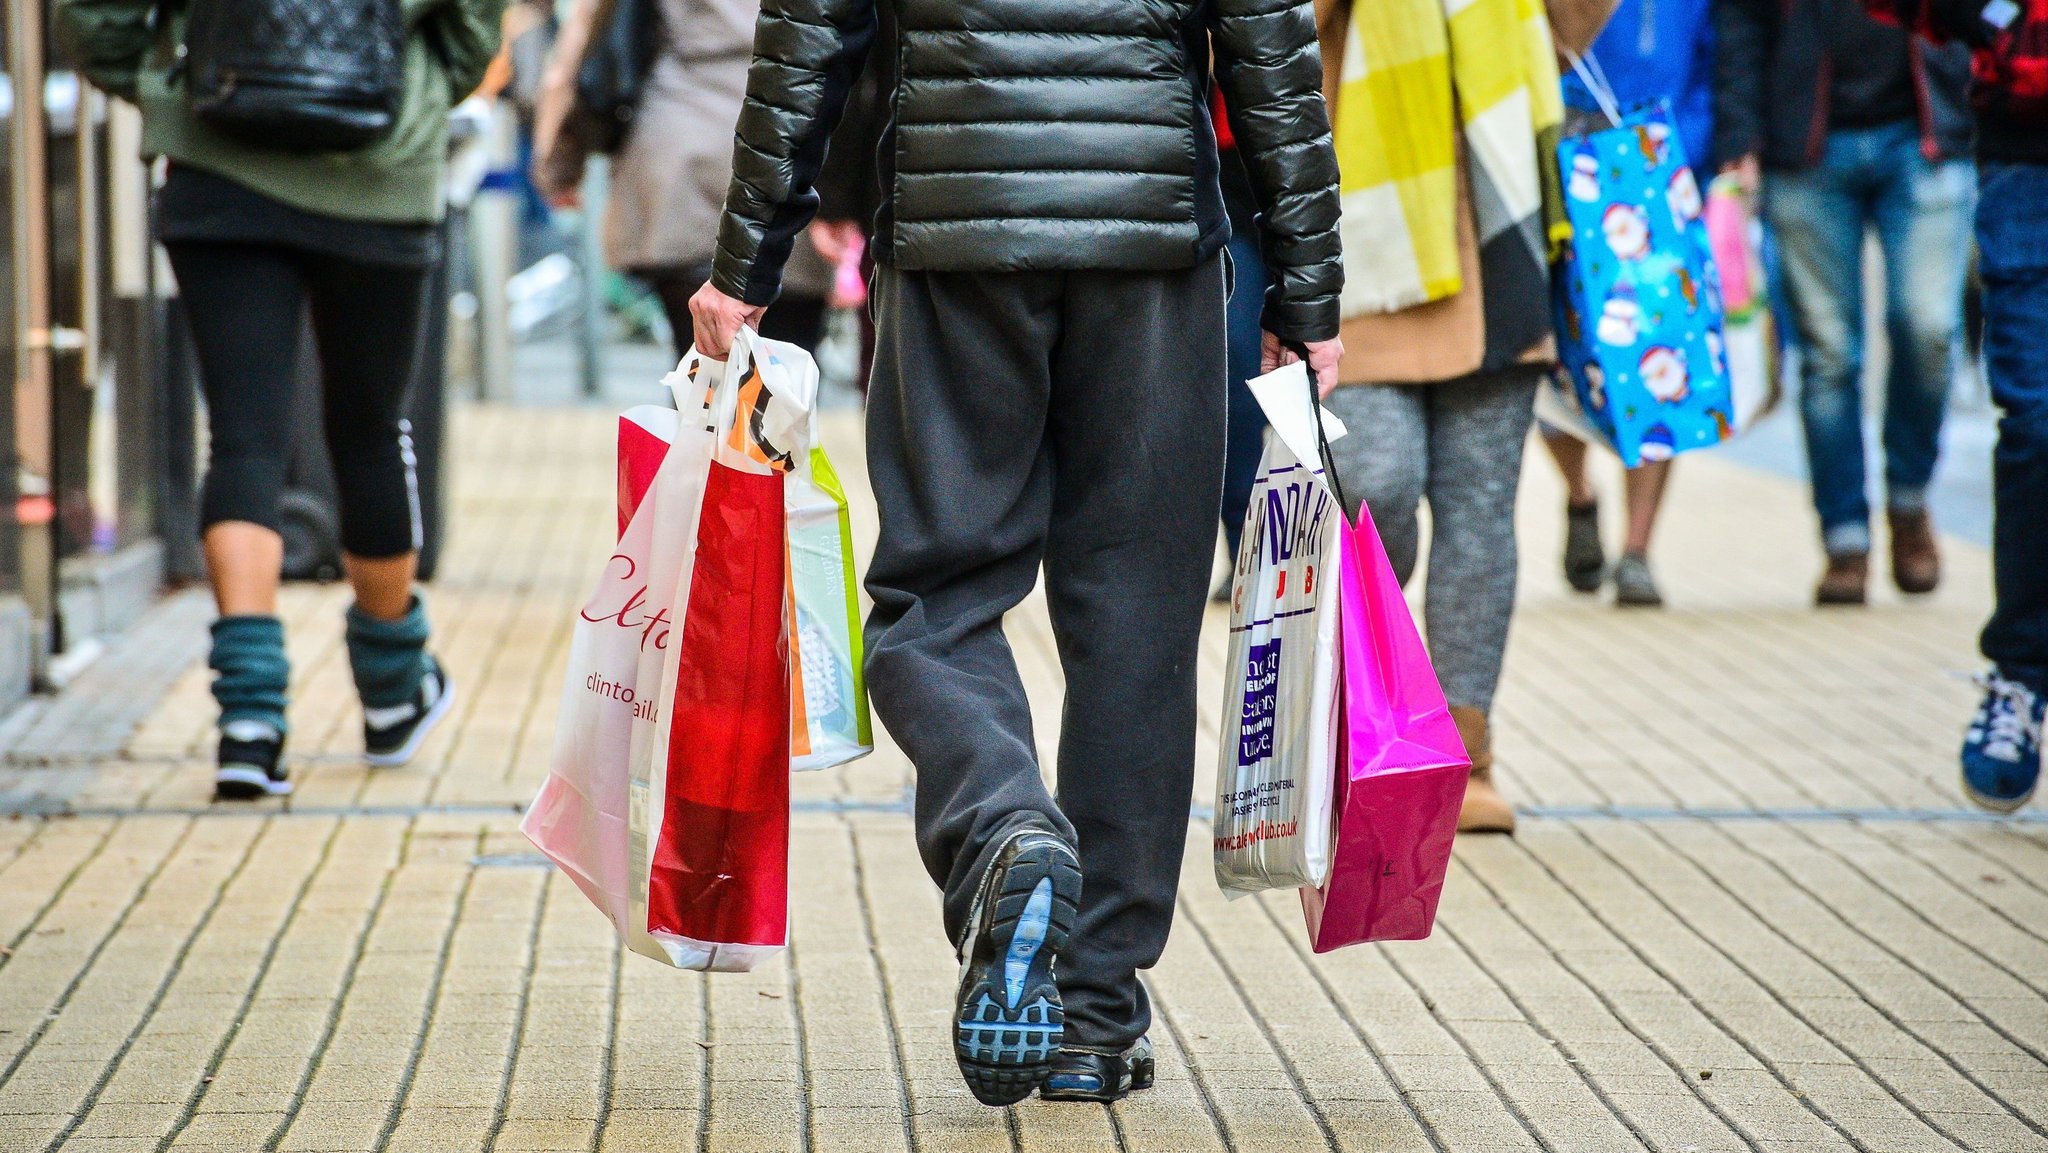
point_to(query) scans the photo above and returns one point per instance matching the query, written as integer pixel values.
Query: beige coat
(668, 180)
(1443, 339)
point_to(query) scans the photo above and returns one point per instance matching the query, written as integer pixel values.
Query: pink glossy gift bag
(1401, 767)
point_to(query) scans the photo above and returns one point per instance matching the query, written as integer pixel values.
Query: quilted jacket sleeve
(807, 55)
(1272, 77)
(106, 39)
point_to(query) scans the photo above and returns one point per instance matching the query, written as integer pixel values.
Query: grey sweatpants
(1458, 444)
(1074, 419)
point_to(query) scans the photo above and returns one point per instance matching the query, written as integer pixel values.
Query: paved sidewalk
(1745, 910)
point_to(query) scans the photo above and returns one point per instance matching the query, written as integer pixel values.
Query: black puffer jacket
(1037, 135)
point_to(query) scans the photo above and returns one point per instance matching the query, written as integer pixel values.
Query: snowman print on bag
(1620, 318)
(1584, 185)
(1658, 443)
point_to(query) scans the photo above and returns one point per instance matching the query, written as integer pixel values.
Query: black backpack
(611, 79)
(296, 75)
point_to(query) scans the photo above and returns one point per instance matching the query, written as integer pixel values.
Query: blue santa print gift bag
(1638, 301)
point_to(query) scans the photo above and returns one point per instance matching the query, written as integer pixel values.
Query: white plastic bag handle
(1595, 79)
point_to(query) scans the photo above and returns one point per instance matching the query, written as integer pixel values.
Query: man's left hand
(1323, 357)
(718, 318)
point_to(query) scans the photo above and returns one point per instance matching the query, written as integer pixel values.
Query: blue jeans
(1921, 209)
(2012, 242)
(1247, 434)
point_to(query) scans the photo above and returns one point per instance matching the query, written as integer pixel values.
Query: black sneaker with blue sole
(392, 735)
(1008, 1022)
(1085, 1075)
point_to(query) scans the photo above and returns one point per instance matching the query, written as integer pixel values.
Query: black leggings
(246, 303)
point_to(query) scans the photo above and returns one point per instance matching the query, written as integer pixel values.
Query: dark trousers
(2012, 245)
(245, 303)
(1073, 419)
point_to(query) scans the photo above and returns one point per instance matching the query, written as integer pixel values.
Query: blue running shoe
(1008, 1022)
(2002, 751)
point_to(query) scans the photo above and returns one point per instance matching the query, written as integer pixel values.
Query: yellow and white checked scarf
(1415, 73)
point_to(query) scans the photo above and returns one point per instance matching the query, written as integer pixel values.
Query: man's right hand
(717, 319)
(1323, 358)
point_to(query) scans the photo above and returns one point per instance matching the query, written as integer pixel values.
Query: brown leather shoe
(1847, 581)
(1916, 562)
(1484, 809)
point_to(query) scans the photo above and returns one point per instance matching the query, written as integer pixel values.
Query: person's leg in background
(1246, 439)
(367, 324)
(1923, 216)
(245, 304)
(963, 480)
(1585, 559)
(2002, 754)
(1137, 435)
(1477, 428)
(1818, 217)
(793, 318)
(1460, 444)
(1383, 462)
(1643, 491)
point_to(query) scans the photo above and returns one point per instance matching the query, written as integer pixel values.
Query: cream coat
(668, 181)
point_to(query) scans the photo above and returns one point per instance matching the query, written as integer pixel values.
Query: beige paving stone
(538, 1136)
(128, 1119)
(228, 1131)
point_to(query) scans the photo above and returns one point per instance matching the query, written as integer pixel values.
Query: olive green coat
(396, 180)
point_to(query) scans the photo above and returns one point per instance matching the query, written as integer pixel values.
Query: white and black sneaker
(1008, 1021)
(392, 736)
(250, 762)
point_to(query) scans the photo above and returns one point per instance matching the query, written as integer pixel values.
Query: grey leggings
(1457, 443)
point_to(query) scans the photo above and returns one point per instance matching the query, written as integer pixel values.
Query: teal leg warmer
(251, 671)
(388, 657)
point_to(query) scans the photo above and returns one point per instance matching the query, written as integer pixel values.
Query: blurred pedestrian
(849, 191)
(1048, 388)
(1649, 50)
(1447, 308)
(669, 175)
(2002, 753)
(1850, 124)
(259, 231)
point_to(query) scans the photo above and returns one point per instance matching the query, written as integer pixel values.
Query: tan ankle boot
(1484, 810)
(1846, 581)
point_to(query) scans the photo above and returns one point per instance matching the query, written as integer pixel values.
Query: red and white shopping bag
(667, 799)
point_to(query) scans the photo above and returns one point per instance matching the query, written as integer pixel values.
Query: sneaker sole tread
(1005, 1052)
